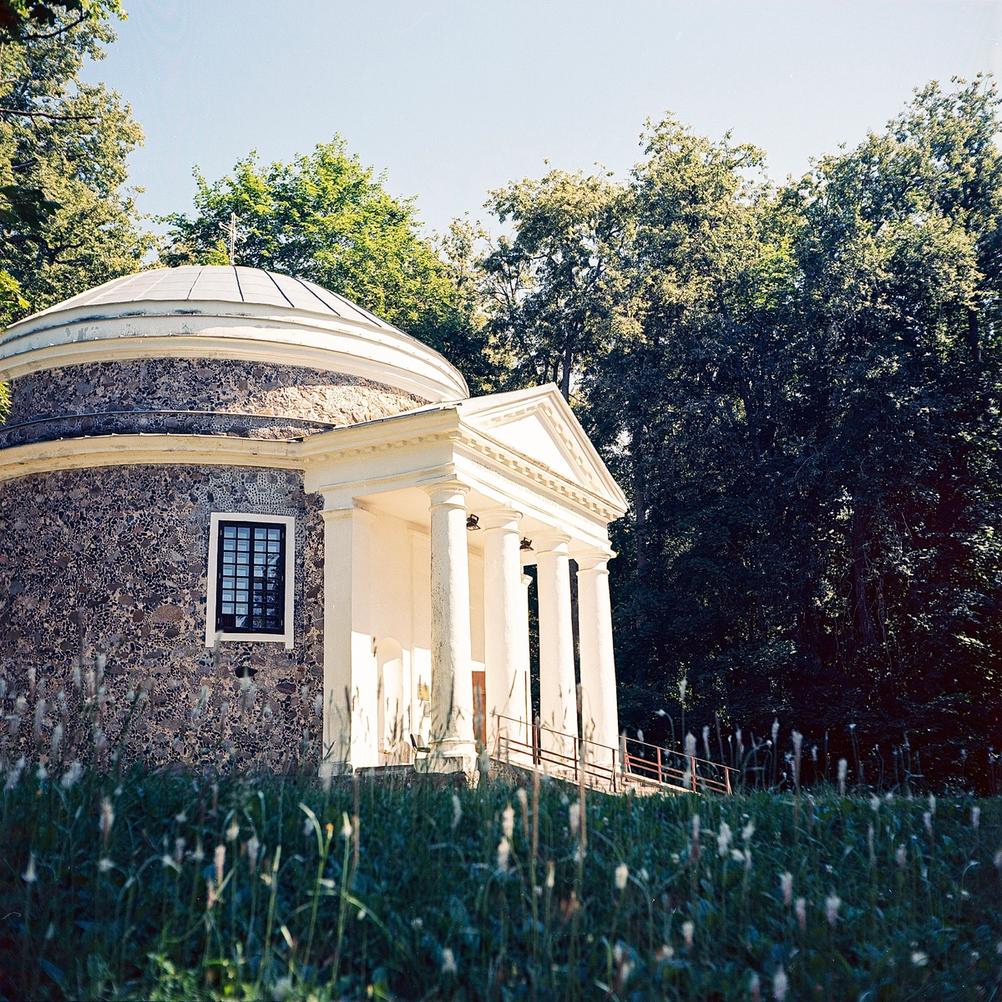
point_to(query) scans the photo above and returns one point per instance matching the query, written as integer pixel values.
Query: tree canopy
(798, 386)
(66, 223)
(328, 218)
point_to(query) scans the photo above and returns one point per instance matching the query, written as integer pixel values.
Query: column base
(451, 757)
(335, 767)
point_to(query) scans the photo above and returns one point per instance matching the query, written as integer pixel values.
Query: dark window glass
(250, 587)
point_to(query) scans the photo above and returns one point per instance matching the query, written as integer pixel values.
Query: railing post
(692, 769)
(613, 750)
(727, 779)
(660, 779)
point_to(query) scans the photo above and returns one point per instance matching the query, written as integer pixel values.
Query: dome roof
(217, 284)
(226, 311)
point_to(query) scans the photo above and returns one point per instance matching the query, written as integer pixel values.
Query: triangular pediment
(538, 424)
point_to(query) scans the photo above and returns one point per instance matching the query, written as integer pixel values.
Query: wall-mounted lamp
(472, 523)
(526, 544)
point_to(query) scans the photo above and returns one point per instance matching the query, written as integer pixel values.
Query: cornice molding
(147, 450)
(382, 355)
(393, 434)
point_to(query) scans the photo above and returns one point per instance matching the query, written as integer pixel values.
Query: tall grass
(167, 885)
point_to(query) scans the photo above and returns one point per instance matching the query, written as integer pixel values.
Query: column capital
(448, 492)
(551, 542)
(499, 518)
(592, 558)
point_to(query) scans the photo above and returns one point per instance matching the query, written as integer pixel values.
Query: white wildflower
(901, 855)
(687, 933)
(920, 959)
(755, 987)
(457, 811)
(843, 768)
(218, 862)
(504, 854)
(932, 803)
(800, 909)
(508, 822)
(30, 875)
(724, 839)
(832, 904)
(780, 985)
(449, 962)
(786, 886)
(975, 817)
(104, 864)
(551, 875)
(874, 803)
(168, 862)
(346, 829)
(927, 821)
(233, 831)
(748, 831)
(574, 817)
(107, 819)
(253, 847)
(621, 876)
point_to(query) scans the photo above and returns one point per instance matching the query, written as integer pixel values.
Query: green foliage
(327, 218)
(52, 16)
(799, 388)
(549, 291)
(65, 223)
(169, 886)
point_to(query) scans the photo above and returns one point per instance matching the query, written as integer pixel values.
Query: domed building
(215, 474)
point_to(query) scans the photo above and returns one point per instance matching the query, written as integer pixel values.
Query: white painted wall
(396, 609)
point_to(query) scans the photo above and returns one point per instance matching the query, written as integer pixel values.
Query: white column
(349, 697)
(506, 650)
(599, 713)
(557, 697)
(452, 746)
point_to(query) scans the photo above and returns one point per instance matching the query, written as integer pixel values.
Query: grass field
(167, 886)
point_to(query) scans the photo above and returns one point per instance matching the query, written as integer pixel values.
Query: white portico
(431, 518)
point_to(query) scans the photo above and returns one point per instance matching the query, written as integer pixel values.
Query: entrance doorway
(480, 709)
(394, 705)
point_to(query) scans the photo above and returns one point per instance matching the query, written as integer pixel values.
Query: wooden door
(480, 709)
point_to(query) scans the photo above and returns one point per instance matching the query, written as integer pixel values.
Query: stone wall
(113, 561)
(194, 396)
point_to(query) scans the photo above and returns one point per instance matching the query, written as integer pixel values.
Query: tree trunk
(565, 375)
(862, 616)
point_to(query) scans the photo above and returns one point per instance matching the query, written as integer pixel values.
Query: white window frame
(211, 634)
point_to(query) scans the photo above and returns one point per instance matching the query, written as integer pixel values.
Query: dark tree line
(799, 388)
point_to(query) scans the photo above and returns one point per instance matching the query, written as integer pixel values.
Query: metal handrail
(631, 766)
(690, 775)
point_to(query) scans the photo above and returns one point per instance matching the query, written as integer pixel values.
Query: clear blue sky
(454, 98)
